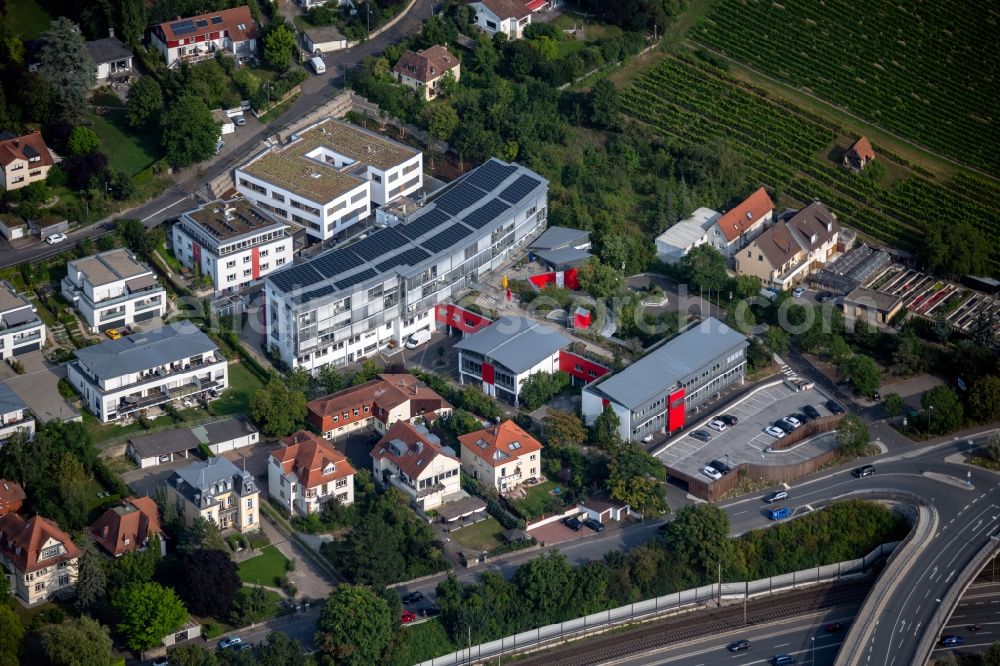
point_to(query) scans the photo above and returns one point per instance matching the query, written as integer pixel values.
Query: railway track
(650, 636)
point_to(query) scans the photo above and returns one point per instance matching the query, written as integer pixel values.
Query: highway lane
(979, 605)
(792, 636)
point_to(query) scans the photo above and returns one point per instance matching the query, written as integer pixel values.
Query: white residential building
(120, 378)
(412, 459)
(14, 415)
(348, 303)
(686, 235)
(113, 289)
(41, 560)
(307, 472)
(21, 331)
(510, 17)
(231, 242)
(327, 176)
(425, 71)
(737, 227)
(198, 37)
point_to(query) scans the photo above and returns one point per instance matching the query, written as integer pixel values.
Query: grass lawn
(265, 569)
(101, 432)
(568, 47)
(242, 385)
(484, 535)
(169, 257)
(271, 607)
(418, 643)
(278, 110)
(126, 151)
(539, 500)
(27, 18)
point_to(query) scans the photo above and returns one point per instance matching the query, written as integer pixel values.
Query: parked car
(739, 646)
(865, 470)
(728, 419)
(776, 496)
(802, 418)
(430, 611)
(647, 439)
(161, 661)
(784, 426)
(834, 627)
(779, 513)
(712, 473)
(55, 238)
(239, 121)
(702, 435)
(952, 641)
(243, 647)
(229, 642)
(782, 660)
(811, 412)
(573, 523)
(717, 425)
(417, 339)
(798, 292)
(720, 466)
(413, 597)
(824, 296)
(408, 616)
(113, 333)
(774, 431)
(792, 421)
(594, 524)
(834, 407)
(219, 145)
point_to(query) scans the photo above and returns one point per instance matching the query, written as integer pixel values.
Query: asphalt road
(979, 605)
(316, 90)
(792, 636)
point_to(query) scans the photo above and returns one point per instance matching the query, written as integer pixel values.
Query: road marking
(741, 513)
(782, 645)
(164, 208)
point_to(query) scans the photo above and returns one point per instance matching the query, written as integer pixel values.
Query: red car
(408, 616)
(834, 627)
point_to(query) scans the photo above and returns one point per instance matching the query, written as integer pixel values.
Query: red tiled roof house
(24, 160)
(40, 557)
(502, 456)
(199, 37)
(510, 17)
(11, 497)
(859, 155)
(412, 459)
(307, 472)
(376, 404)
(742, 223)
(128, 527)
(425, 71)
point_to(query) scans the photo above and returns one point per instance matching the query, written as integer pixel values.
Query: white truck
(318, 65)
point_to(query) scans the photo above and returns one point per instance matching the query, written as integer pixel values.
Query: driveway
(553, 533)
(38, 387)
(144, 482)
(252, 458)
(310, 582)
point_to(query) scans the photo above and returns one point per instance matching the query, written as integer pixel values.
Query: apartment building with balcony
(232, 242)
(327, 176)
(306, 472)
(21, 331)
(120, 378)
(410, 458)
(218, 491)
(41, 559)
(113, 289)
(14, 415)
(350, 302)
(23, 159)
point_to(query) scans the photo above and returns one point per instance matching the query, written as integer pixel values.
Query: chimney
(111, 32)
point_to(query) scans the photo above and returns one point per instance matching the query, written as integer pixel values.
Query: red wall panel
(460, 318)
(676, 409)
(255, 262)
(568, 362)
(488, 376)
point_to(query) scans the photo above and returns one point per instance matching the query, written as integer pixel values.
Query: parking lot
(747, 442)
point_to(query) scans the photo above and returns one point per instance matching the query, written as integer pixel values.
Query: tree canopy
(943, 409)
(278, 409)
(149, 612)
(704, 268)
(852, 435)
(189, 132)
(209, 582)
(68, 68)
(80, 641)
(355, 626)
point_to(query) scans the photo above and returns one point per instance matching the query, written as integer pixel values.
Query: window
(231, 277)
(341, 483)
(231, 264)
(250, 503)
(491, 25)
(63, 581)
(52, 551)
(246, 259)
(278, 197)
(250, 519)
(377, 178)
(279, 262)
(39, 587)
(366, 409)
(247, 273)
(336, 418)
(241, 26)
(355, 412)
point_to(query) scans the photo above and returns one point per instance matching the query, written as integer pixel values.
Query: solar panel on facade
(378, 244)
(357, 278)
(334, 263)
(420, 226)
(410, 257)
(446, 238)
(459, 198)
(489, 175)
(485, 214)
(519, 189)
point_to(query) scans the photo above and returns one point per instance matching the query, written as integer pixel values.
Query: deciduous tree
(79, 641)
(704, 268)
(11, 636)
(699, 537)
(606, 429)
(893, 405)
(189, 132)
(852, 435)
(863, 373)
(634, 478)
(945, 409)
(209, 582)
(564, 429)
(355, 626)
(149, 612)
(277, 409)
(279, 43)
(145, 103)
(984, 400)
(82, 140)
(600, 280)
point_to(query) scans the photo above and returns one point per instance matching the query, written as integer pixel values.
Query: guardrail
(651, 607)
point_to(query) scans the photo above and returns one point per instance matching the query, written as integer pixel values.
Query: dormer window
(127, 541)
(330, 468)
(51, 551)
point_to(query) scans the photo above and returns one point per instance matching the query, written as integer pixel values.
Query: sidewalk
(310, 581)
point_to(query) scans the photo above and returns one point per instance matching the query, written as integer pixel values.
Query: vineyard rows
(916, 68)
(697, 103)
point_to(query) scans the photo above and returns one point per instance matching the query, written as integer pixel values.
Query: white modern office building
(350, 302)
(231, 242)
(21, 331)
(120, 378)
(327, 176)
(113, 289)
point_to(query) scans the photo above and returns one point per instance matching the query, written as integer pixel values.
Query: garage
(605, 510)
(161, 447)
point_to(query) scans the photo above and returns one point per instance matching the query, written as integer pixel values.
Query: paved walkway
(310, 581)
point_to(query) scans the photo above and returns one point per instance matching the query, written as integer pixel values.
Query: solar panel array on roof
(182, 27)
(216, 19)
(202, 23)
(296, 277)
(315, 293)
(519, 189)
(410, 257)
(352, 280)
(485, 214)
(336, 262)
(459, 198)
(490, 175)
(432, 218)
(379, 244)
(449, 236)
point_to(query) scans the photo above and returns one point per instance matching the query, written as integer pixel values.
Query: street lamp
(930, 410)
(968, 473)
(813, 639)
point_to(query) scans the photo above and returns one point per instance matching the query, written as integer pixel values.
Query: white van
(418, 338)
(318, 65)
